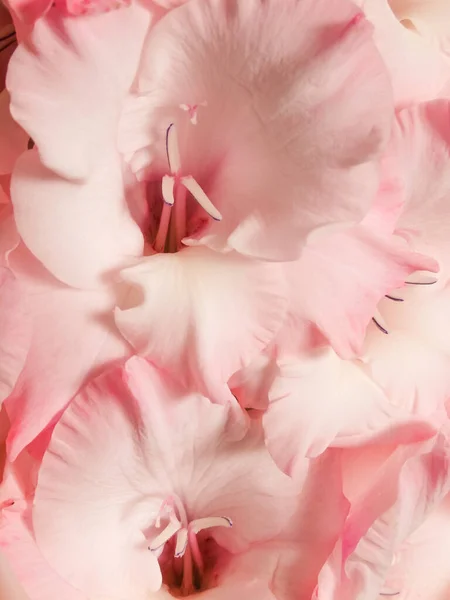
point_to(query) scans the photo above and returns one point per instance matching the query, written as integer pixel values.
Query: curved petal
(421, 566)
(418, 71)
(412, 363)
(409, 489)
(320, 400)
(200, 314)
(13, 139)
(9, 587)
(79, 231)
(15, 332)
(422, 143)
(345, 274)
(69, 82)
(100, 487)
(137, 443)
(269, 100)
(30, 574)
(431, 19)
(73, 334)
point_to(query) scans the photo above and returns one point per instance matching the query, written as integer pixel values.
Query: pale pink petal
(30, 573)
(418, 71)
(124, 445)
(92, 491)
(73, 334)
(422, 143)
(13, 139)
(412, 362)
(270, 571)
(319, 400)
(421, 565)
(407, 488)
(9, 586)
(271, 99)
(80, 231)
(219, 487)
(200, 314)
(342, 275)
(68, 93)
(15, 331)
(431, 18)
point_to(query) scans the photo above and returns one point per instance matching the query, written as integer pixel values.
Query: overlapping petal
(430, 18)
(287, 139)
(137, 443)
(418, 70)
(68, 84)
(15, 331)
(408, 486)
(77, 330)
(341, 277)
(81, 232)
(200, 314)
(318, 400)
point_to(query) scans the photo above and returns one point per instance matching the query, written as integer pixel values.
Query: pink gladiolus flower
(224, 299)
(155, 494)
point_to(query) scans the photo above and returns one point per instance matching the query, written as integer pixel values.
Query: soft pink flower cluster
(225, 299)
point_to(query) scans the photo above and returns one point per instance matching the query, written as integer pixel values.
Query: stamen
(195, 550)
(182, 542)
(425, 280)
(168, 187)
(200, 524)
(380, 323)
(172, 528)
(161, 236)
(192, 186)
(394, 298)
(173, 150)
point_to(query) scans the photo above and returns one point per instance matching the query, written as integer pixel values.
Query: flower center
(176, 186)
(177, 546)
